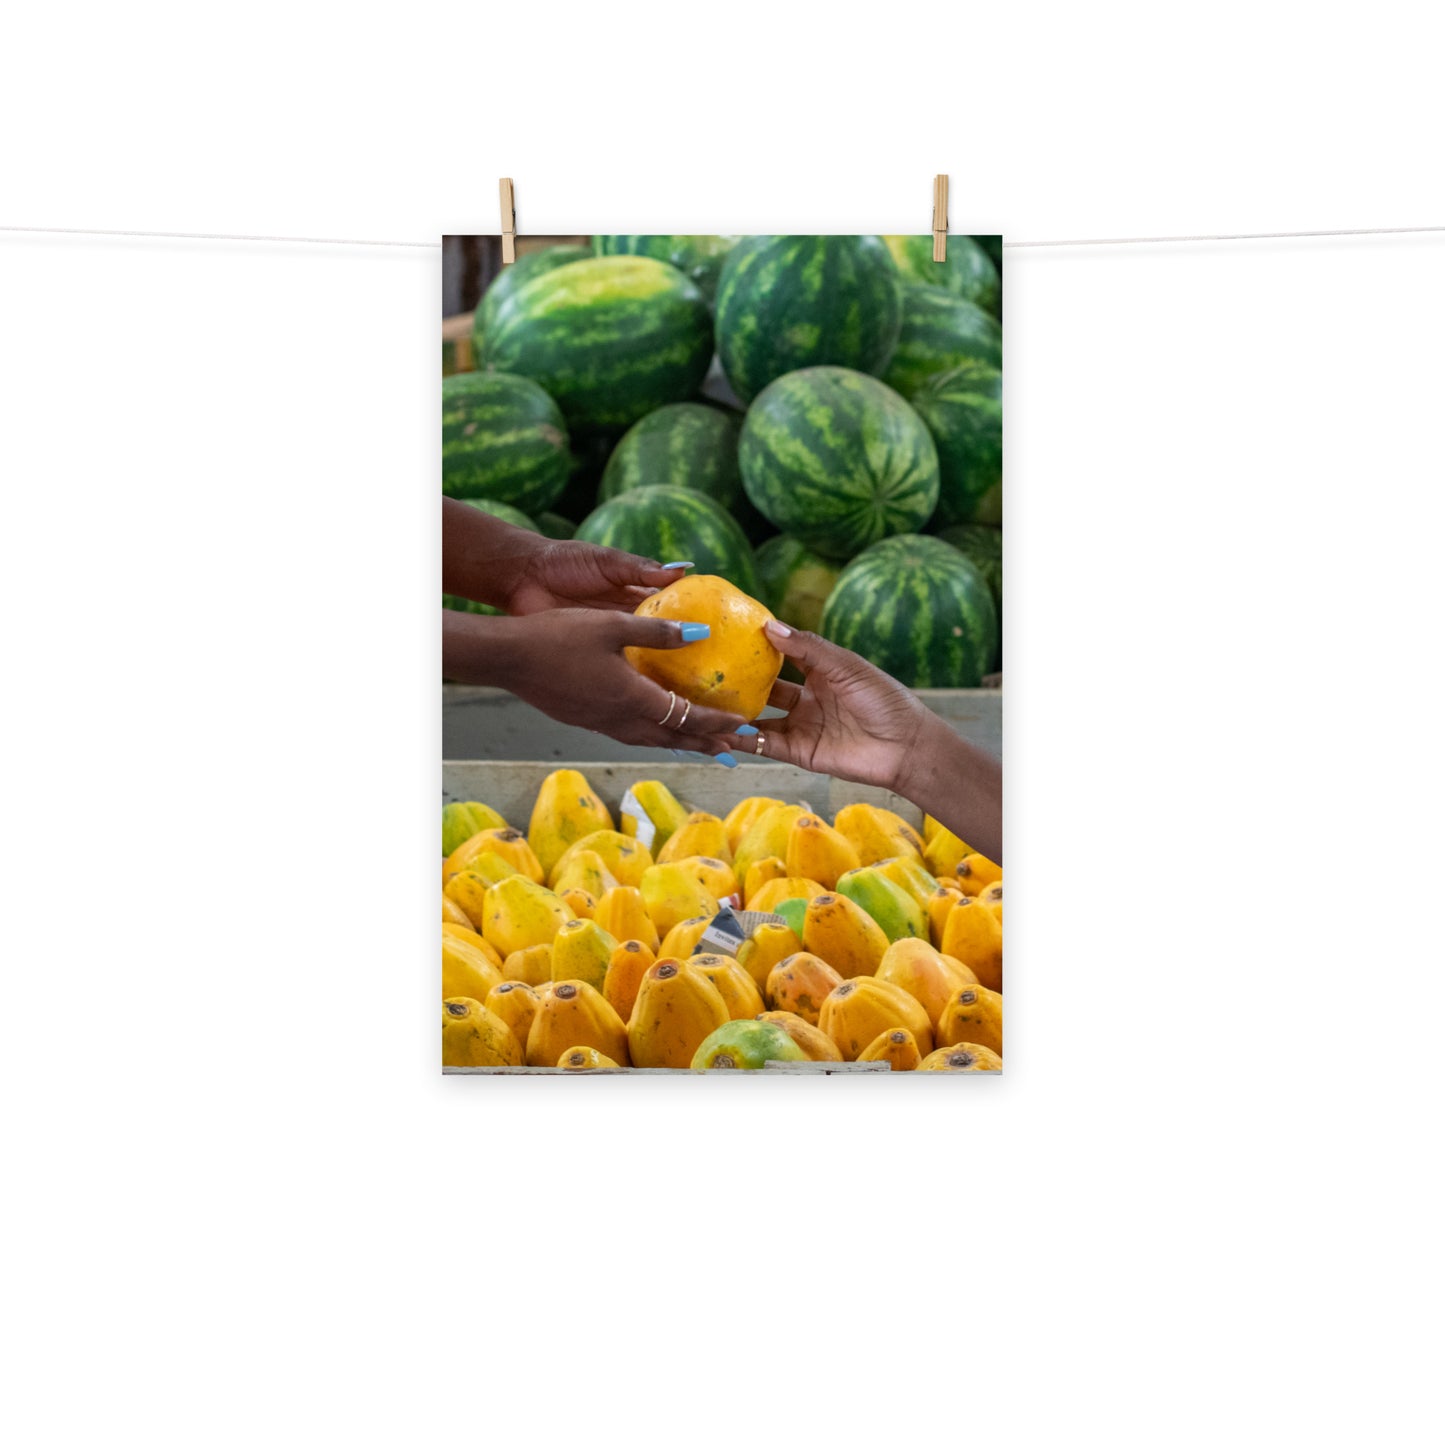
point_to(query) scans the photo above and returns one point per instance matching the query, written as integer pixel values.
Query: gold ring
(678, 726)
(672, 703)
(758, 746)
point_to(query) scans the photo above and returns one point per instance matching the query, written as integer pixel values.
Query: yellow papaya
(808, 1037)
(573, 1014)
(944, 852)
(714, 875)
(581, 950)
(996, 909)
(468, 970)
(875, 833)
(672, 893)
(676, 1009)
(625, 968)
(584, 869)
(468, 934)
(622, 912)
(767, 837)
(776, 890)
(895, 911)
(515, 1004)
(566, 810)
(625, 858)
(911, 876)
(489, 867)
(738, 990)
(897, 1047)
(468, 892)
(680, 940)
(454, 913)
(742, 817)
(992, 894)
(939, 906)
(507, 843)
(746, 1044)
(461, 820)
(529, 965)
(800, 983)
(472, 1038)
(836, 929)
(814, 850)
(964, 1059)
(518, 913)
(766, 946)
(650, 813)
(860, 1009)
(931, 826)
(701, 835)
(582, 903)
(765, 870)
(580, 1058)
(973, 1015)
(921, 970)
(975, 873)
(973, 936)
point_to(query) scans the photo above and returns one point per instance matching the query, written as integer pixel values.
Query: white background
(1204, 1202)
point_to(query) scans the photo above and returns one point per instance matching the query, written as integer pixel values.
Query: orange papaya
(515, 1004)
(765, 870)
(975, 872)
(767, 837)
(973, 936)
(733, 982)
(861, 1008)
(766, 946)
(799, 984)
(472, 1038)
(468, 971)
(836, 929)
(529, 965)
(677, 1008)
(897, 1047)
(625, 968)
(682, 938)
(742, 817)
(875, 833)
(963, 1059)
(814, 850)
(574, 1014)
(624, 915)
(921, 970)
(777, 890)
(701, 835)
(579, 1058)
(973, 1015)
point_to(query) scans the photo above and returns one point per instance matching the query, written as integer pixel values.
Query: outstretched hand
(580, 574)
(848, 718)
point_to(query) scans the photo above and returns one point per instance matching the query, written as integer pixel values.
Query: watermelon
(699, 258)
(509, 278)
(610, 338)
(502, 438)
(993, 249)
(967, 271)
(939, 331)
(837, 460)
(795, 581)
(786, 302)
(675, 524)
(983, 546)
(918, 609)
(687, 444)
(963, 411)
(550, 524)
(465, 604)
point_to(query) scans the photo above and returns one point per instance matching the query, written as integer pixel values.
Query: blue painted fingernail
(726, 759)
(695, 631)
(747, 731)
(673, 566)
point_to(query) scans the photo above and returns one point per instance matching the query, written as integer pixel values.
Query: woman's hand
(568, 663)
(579, 574)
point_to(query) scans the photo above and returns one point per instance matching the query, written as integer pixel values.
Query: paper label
(646, 828)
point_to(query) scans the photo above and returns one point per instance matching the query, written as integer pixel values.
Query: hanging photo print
(722, 564)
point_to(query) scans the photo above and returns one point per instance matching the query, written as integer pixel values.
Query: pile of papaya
(575, 945)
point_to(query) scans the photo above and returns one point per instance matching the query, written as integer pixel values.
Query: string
(1007, 245)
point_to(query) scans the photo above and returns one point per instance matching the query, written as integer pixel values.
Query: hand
(848, 719)
(568, 663)
(579, 574)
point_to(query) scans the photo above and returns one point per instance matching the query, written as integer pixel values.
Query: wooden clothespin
(940, 218)
(509, 222)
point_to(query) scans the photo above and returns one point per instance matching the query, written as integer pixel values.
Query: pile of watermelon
(816, 418)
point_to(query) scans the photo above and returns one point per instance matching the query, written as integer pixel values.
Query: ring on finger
(758, 746)
(687, 708)
(671, 703)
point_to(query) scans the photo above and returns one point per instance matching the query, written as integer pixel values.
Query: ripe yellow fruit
(473, 1038)
(973, 1015)
(963, 1059)
(734, 667)
(897, 1047)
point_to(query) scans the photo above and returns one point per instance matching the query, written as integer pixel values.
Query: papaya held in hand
(734, 667)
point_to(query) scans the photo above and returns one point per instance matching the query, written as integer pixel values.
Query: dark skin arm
(855, 722)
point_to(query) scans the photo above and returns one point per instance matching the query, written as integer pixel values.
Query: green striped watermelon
(993, 249)
(918, 609)
(503, 438)
(939, 331)
(967, 271)
(509, 278)
(786, 302)
(504, 511)
(837, 460)
(610, 338)
(687, 444)
(675, 524)
(963, 411)
(550, 524)
(796, 581)
(983, 546)
(699, 258)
